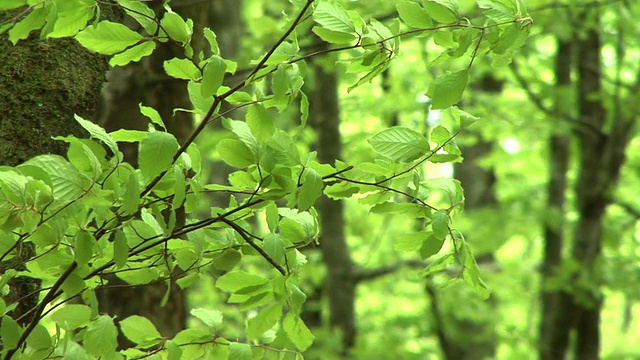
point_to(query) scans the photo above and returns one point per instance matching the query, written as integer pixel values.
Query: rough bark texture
(340, 283)
(146, 83)
(42, 84)
(555, 325)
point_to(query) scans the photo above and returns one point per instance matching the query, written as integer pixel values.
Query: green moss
(42, 84)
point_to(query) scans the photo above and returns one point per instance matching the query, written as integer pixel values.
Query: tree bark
(42, 85)
(340, 282)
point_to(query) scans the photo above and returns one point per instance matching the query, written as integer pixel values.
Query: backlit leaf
(447, 89)
(100, 337)
(181, 69)
(140, 330)
(400, 144)
(108, 37)
(133, 54)
(156, 152)
(413, 14)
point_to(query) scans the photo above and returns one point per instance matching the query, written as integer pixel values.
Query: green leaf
(243, 132)
(72, 316)
(400, 144)
(201, 104)
(235, 153)
(67, 183)
(39, 338)
(11, 4)
(447, 90)
(120, 250)
(227, 260)
(72, 20)
(176, 27)
(297, 331)
(444, 158)
(100, 339)
(212, 40)
(440, 224)
(292, 230)
(304, 109)
(471, 272)
(108, 37)
(431, 247)
(81, 156)
(133, 54)
(98, 132)
(83, 247)
(334, 37)
(274, 247)
(333, 17)
(156, 152)
(211, 318)
(143, 14)
(181, 69)
(281, 85)
(10, 332)
(153, 115)
(213, 75)
(310, 190)
(440, 12)
(272, 216)
(413, 14)
(260, 122)
(411, 242)
(140, 330)
(440, 135)
(512, 38)
(235, 281)
(263, 321)
(285, 148)
(498, 10)
(240, 351)
(34, 20)
(173, 350)
(463, 118)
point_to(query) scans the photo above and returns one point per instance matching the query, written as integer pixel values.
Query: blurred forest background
(550, 173)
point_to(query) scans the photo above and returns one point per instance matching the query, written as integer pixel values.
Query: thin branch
(244, 234)
(49, 297)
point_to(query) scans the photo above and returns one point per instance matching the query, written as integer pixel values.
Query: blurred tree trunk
(340, 283)
(146, 83)
(602, 137)
(42, 84)
(555, 325)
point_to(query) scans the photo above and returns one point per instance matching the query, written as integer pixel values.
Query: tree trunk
(555, 325)
(601, 155)
(340, 282)
(42, 85)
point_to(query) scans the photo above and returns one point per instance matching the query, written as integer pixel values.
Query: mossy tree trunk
(42, 85)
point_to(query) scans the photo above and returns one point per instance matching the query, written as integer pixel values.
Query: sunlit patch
(511, 145)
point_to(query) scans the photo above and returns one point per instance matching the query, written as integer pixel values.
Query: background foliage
(265, 273)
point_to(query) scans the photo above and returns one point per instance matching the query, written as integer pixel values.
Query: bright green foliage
(91, 213)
